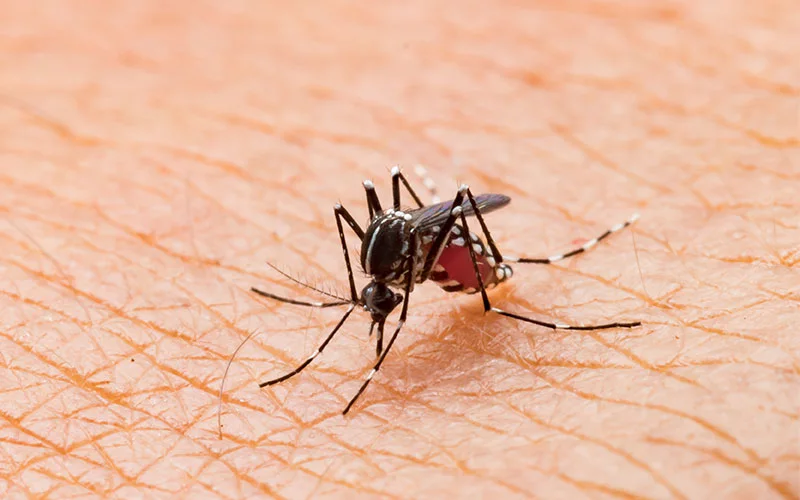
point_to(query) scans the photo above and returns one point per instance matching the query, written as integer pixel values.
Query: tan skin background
(155, 155)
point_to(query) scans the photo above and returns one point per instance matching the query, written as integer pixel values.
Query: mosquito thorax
(384, 248)
(379, 300)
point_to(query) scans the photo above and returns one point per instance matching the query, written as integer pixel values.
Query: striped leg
(379, 339)
(583, 248)
(403, 314)
(341, 213)
(429, 184)
(373, 203)
(487, 306)
(316, 353)
(440, 242)
(397, 177)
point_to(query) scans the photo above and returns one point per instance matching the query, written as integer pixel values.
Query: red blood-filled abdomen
(457, 264)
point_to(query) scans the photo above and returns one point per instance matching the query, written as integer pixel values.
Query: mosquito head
(379, 300)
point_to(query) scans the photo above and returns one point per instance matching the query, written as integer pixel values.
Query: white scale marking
(589, 244)
(429, 183)
(368, 184)
(491, 261)
(562, 326)
(458, 241)
(456, 211)
(396, 170)
(586, 246)
(478, 249)
(371, 374)
(371, 246)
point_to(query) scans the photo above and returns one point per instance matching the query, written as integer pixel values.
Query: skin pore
(155, 156)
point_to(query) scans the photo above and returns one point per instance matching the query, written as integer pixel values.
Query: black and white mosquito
(401, 248)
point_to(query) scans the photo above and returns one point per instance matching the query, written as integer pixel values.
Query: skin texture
(155, 155)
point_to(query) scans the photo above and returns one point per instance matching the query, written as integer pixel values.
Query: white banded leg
(564, 326)
(373, 203)
(397, 177)
(487, 304)
(429, 183)
(583, 248)
(316, 353)
(444, 233)
(403, 314)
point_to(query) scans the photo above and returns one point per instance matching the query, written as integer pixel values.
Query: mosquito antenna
(310, 287)
(222, 384)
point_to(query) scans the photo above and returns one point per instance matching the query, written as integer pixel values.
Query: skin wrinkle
(646, 110)
(636, 462)
(523, 362)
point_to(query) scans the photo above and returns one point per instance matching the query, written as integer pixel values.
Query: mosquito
(403, 248)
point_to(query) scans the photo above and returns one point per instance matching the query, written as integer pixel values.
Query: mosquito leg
(562, 326)
(444, 232)
(487, 306)
(498, 257)
(400, 323)
(583, 248)
(379, 340)
(342, 213)
(316, 353)
(429, 184)
(397, 177)
(373, 203)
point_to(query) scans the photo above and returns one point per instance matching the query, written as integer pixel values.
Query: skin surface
(155, 155)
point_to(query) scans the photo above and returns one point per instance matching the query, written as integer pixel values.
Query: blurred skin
(156, 155)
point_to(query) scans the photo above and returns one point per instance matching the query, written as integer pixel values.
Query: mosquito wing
(435, 215)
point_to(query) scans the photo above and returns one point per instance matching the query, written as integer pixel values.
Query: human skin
(156, 155)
